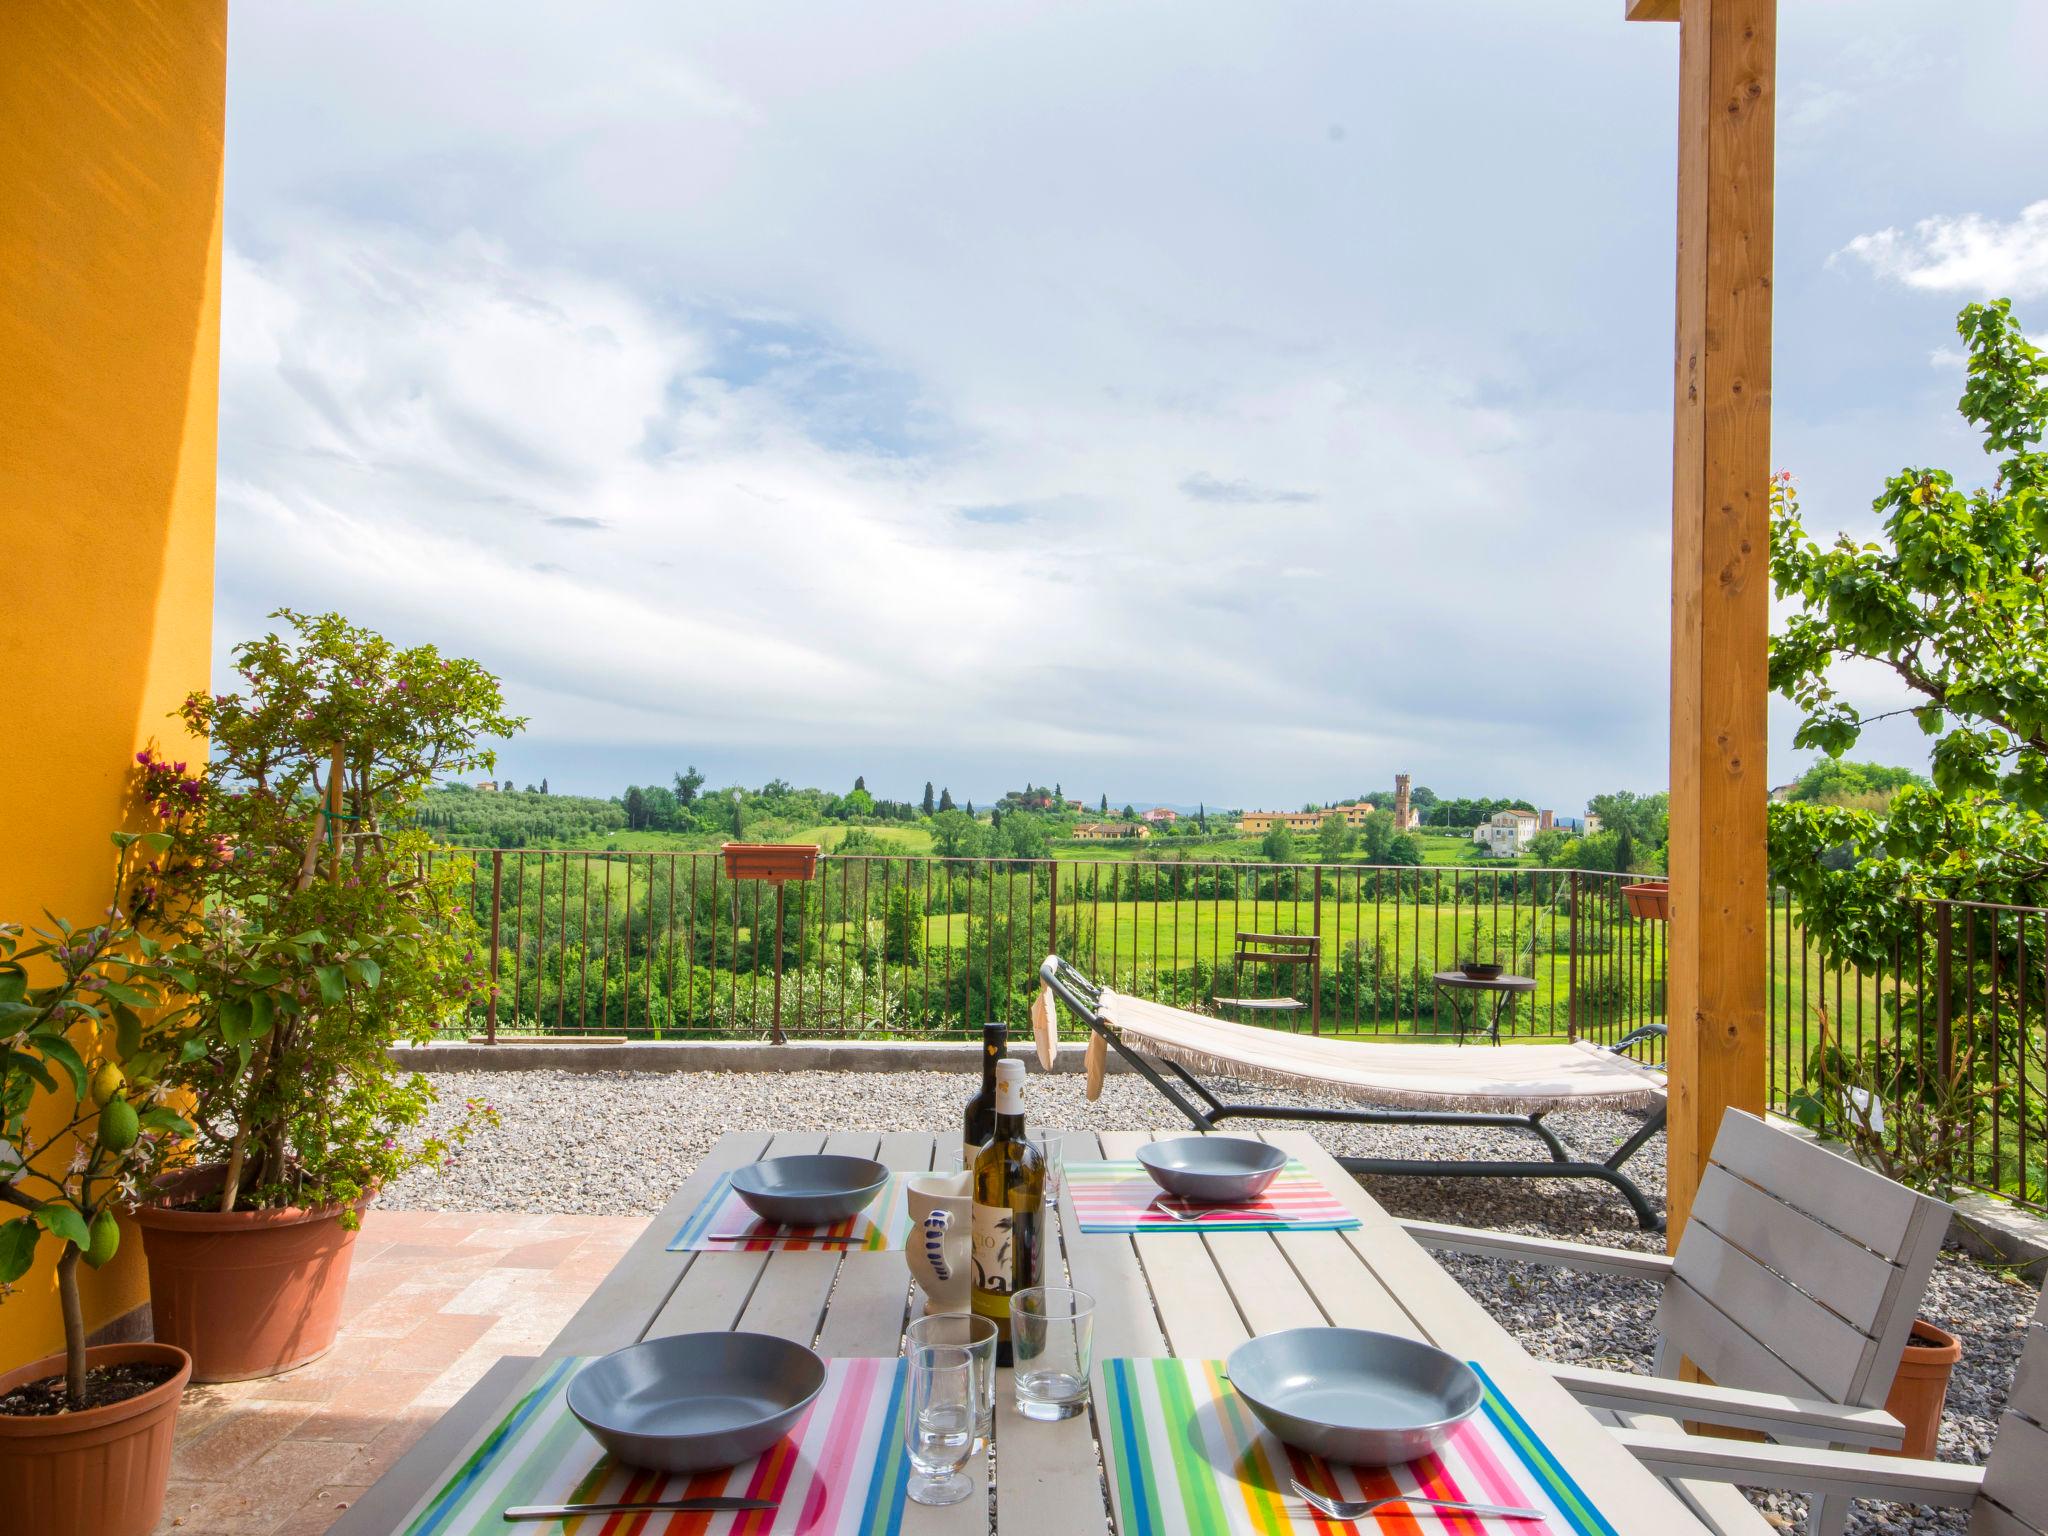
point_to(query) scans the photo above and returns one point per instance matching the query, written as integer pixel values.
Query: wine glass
(939, 1429)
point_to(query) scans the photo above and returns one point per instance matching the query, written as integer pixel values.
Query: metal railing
(1945, 1034)
(666, 946)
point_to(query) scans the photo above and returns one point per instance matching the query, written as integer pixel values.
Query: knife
(666, 1506)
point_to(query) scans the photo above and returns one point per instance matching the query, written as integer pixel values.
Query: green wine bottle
(1009, 1210)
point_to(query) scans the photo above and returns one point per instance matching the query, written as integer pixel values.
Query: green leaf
(127, 1032)
(191, 1051)
(365, 970)
(120, 992)
(61, 1219)
(162, 1119)
(237, 1020)
(333, 985)
(25, 1062)
(310, 937)
(17, 1249)
(59, 1050)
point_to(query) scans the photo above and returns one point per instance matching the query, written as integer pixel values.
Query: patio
(495, 1254)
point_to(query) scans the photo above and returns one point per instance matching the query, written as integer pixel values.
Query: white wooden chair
(2008, 1496)
(1793, 1289)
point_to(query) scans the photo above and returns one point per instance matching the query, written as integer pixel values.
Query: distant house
(1160, 816)
(1507, 834)
(1257, 823)
(1591, 823)
(1109, 831)
(487, 786)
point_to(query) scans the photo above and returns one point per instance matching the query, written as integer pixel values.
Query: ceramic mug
(941, 1210)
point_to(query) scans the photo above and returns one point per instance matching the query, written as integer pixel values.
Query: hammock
(1510, 1087)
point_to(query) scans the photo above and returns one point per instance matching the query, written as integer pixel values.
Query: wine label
(968, 1153)
(995, 1249)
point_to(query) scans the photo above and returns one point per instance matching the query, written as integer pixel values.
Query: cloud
(1970, 255)
(1203, 486)
(566, 521)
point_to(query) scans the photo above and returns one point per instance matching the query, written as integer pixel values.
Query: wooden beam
(1652, 10)
(1719, 577)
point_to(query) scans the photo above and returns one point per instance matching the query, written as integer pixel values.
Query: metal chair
(1793, 1288)
(1278, 949)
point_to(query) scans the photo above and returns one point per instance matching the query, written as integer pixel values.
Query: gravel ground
(621, 1142)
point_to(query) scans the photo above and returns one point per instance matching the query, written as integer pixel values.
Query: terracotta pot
(1649, 899)
(246, 1293)
(1921, 1387)
(97, 1473)
(771, 861)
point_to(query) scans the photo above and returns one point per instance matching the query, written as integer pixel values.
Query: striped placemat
(1186, 1454)
(1121, 1197)
(840, 1472)
(884, 1224)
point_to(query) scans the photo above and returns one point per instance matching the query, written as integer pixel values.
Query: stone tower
(1404, 813)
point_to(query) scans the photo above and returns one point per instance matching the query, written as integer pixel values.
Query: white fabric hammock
(1490, 1079)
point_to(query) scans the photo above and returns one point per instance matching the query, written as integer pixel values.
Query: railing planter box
(245, 1293)
(774, 862)
(1649, 900)
(98, 1471)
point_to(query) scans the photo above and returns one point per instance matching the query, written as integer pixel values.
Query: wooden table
(1159, 1293)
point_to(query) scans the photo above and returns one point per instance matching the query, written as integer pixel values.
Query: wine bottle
(980, 1120)
(1009, 1210)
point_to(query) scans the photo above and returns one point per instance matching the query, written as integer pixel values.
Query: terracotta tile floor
(435, 1298)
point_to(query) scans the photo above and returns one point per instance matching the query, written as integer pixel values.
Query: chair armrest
(1770, 1413)
(1540, 1250)
(1852, 1474)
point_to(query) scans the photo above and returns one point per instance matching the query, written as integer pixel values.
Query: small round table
(1502, 988)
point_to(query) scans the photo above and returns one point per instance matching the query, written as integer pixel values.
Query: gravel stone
(618, 1143)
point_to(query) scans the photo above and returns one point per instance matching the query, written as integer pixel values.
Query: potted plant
(312, 934)
(85, 1436)
(771, 861)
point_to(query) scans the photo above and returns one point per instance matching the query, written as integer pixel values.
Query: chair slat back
(1799, 1271)
(2015, 1497)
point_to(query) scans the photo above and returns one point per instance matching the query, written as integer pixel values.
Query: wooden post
(1720, 573)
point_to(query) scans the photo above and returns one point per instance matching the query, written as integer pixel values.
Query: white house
(1506, 834)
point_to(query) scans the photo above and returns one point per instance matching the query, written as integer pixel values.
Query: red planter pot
(246, 1293)
(1921, 1387)
(771, 861)
(1649, 900)
(97, 1473)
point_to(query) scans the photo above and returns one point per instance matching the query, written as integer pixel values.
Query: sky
(1182, 402)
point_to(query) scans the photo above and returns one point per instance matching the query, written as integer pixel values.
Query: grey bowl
(809, 1191)
(1348, 1395)
(1216, 1170)
(694, 1401)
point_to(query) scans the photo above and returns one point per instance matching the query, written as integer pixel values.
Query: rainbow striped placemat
(1121, 1197)
(840, 1472)
(884, 1224)
(1186, 1454)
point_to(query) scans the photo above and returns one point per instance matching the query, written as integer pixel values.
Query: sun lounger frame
(1204, 1110)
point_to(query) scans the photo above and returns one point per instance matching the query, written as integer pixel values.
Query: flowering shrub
(309, 938)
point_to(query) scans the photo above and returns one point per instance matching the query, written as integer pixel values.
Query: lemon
(119, 1125)
(106, 1238)
(106, 1083)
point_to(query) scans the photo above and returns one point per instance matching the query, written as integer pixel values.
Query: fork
(1358, 1509)
(1205, 1211)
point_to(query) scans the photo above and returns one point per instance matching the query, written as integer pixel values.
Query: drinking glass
(976, 1335)
(1055, 1169)
(1052, 1336)
(938, 1430)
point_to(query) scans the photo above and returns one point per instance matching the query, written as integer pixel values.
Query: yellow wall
(110, 204)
